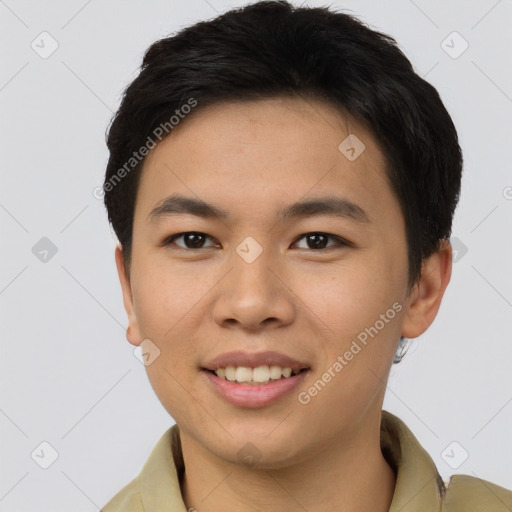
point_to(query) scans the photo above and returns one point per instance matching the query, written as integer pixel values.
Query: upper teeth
(261, 374)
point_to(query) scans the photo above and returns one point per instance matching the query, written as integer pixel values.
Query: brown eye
(318, 241)
(191, 240)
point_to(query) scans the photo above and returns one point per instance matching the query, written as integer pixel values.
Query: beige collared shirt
(419, 488)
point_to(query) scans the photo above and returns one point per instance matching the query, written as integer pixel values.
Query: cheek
(167, 304)
(358, 308)
(348, 297)
(357, 351)
(172, 304)
(164, 295)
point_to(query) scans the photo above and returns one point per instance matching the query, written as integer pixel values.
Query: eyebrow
(329, 205)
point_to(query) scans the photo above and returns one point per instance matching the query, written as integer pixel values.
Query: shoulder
(419, 487)
(466, 493)
(157, 486)
(128, 499)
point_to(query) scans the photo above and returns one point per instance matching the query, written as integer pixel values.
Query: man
(283, 185)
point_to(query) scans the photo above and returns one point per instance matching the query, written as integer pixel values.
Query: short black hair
(272, 49)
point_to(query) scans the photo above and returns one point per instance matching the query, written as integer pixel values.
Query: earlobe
(132, 331)
(425, 299)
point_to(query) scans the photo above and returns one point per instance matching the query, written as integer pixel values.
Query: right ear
(132, 331)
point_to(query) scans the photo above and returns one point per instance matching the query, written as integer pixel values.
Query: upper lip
(253, 360)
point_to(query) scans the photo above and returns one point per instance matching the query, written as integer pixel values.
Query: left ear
(425, 298)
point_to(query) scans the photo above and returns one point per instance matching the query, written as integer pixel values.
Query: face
(323, 285)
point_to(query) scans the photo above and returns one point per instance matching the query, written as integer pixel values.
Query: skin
(253, 158)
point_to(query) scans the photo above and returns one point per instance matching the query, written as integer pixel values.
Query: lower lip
(259, 395)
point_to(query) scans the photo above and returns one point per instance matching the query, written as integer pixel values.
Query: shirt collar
(418, 484)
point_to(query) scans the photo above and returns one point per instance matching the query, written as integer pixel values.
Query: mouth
(259, 376)
(258, 387)
(254, 379)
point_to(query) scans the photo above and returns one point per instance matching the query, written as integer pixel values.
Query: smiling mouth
(261, 375)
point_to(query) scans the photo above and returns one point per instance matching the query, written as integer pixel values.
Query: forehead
(268, 152)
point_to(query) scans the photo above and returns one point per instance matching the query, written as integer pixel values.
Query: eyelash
(341, 242)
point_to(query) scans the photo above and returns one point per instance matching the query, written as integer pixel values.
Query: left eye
(195, 240)
(319, 240)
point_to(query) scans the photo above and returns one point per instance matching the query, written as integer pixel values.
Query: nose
(254, 296)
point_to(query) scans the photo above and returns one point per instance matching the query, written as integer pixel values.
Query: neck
(344, 476)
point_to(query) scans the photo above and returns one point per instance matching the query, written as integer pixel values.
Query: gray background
(68, 375)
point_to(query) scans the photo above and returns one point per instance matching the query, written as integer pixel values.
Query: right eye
(191, 239)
